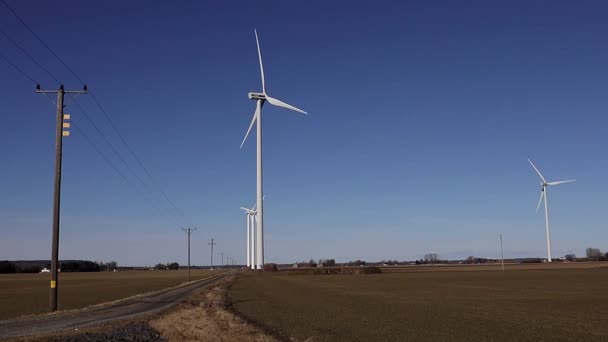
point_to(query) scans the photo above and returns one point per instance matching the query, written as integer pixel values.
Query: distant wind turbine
(250, 215)
(543, 194)
(251, 224)
(260, 99)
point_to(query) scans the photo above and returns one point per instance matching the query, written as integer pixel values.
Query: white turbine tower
(251, 224)
(250, 215)
(260, 98)
(252, 218)
(543, 194)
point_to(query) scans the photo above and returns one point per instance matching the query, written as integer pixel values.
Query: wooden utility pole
(59, 134)
(212, 243)
(188, 230)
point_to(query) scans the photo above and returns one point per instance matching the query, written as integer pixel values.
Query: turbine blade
(257, 42)
(279, 103)
(256, 203)
(248, 211)
(255, 117)
(562, 182)
(535, 169)
(539, 200)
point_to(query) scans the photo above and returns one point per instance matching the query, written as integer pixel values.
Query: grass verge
(206, 316)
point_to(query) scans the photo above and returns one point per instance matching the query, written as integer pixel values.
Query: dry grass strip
(206, 317)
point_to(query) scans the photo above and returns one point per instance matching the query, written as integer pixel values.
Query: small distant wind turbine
(250, 215)
(251, 224)
(543, 194)
(260, 98)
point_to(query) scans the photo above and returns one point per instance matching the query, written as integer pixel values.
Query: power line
(133, 153)
(18, 69)
(82, 132)
(90, 141)
(116, 152)
(111, 164)
(40, 40)
(103, 156)
(30, 56)
(94, 98)
(73, 99)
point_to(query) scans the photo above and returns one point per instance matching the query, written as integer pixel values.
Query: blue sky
(422, 116)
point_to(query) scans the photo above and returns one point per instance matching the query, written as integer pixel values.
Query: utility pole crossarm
(61, 90)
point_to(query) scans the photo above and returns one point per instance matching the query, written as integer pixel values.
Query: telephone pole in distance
(212, 243)
(188, 230)
(502, 255)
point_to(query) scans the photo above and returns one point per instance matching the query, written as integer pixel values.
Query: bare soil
(533, 303)
(26, 294)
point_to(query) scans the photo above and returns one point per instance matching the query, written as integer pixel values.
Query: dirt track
(130, 308)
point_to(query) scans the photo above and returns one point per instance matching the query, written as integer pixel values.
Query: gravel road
(129, 308)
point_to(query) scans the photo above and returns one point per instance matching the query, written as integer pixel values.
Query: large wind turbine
(260, 99)
(543, 194)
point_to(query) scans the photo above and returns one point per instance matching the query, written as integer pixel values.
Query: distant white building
(45, 270)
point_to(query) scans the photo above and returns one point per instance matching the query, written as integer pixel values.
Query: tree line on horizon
(591, 254)
(7, 267)
(167, 266)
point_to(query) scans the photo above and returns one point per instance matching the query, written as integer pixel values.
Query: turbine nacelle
(256, 96)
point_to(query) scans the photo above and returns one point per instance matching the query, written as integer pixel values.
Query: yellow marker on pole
(53, 284)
